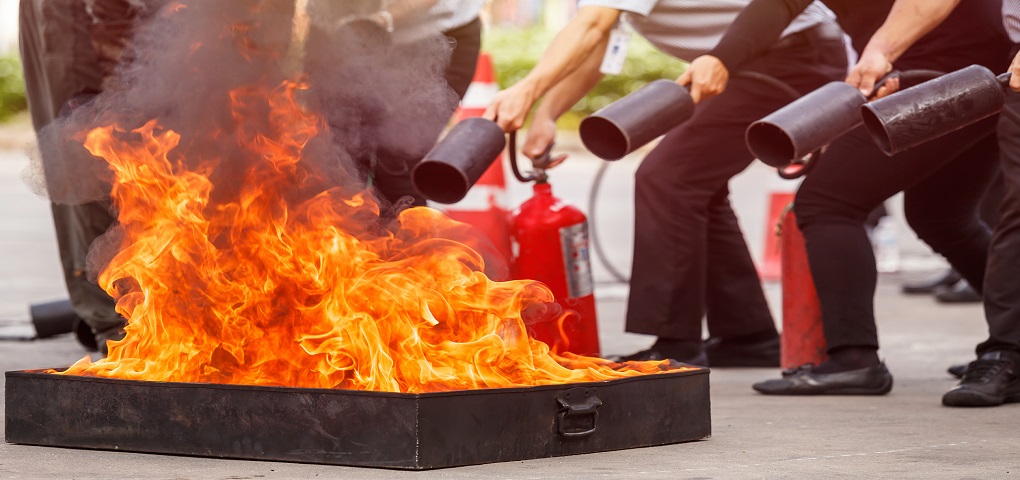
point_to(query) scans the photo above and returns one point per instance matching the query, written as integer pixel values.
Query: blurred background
(12, 90)
(517, 35)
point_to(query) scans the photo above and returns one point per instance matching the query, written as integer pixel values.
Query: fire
(269, 287)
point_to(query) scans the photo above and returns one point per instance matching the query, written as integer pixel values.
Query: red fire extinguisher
(549, 243)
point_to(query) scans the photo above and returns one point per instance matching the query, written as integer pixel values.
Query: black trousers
(60, 62)
(1002, 278)
(943, 182)
(690, 258)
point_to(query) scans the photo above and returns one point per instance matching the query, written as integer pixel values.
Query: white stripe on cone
(479, 95)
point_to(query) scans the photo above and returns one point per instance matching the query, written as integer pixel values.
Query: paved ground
(906, 434)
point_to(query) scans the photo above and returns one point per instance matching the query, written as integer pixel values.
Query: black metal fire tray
(356, 428)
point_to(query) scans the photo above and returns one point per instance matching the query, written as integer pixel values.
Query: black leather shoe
(653, 355)
(875, 380)
(957, 370)
(928, 285)
(960, 292)
(727, 353)
(991, 380)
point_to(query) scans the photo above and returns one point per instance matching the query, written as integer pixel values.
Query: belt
(820, 32)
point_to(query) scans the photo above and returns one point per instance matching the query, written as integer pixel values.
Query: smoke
(384, 104)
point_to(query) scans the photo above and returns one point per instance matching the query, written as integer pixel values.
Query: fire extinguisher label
(574, 240)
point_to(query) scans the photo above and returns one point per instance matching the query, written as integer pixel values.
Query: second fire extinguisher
(549, 237)
(549, 241)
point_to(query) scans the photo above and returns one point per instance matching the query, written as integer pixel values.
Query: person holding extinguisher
(994, 377)
(690, 257)
(943, 180)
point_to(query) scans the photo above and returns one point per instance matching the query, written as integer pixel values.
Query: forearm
(908, 21)
(572, 88)
(571, 48)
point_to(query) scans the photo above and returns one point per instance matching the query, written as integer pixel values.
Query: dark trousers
(943, 182)
(1002, 278)
(690, 258)
(467, 43)
(60, 62)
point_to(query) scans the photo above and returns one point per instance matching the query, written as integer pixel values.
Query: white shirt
(1011, 19)
(688, 29)
(444, 15)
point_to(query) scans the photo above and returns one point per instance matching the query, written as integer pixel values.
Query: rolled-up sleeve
(756, 29)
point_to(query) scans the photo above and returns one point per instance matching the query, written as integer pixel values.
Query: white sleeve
(640, 7)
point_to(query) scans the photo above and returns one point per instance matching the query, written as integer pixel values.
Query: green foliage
(12, 87)
(516, 51)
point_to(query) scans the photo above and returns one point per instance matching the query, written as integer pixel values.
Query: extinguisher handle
(546, 160)
(1004, 79)
(537, 176)
(801, 167)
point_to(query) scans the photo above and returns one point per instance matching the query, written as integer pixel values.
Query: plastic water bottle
(887, 246)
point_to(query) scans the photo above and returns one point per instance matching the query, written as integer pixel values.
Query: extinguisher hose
(512, 151)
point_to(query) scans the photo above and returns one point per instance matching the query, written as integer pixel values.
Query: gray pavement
(906, 434)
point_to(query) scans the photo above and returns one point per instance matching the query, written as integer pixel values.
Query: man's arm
(559, 99)
(570, 49)
(908, 21)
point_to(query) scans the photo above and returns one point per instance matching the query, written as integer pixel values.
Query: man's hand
(707, 76)
(510, 108)
(891, 86)
(541, 137)
(872, 66)
(1014, 70)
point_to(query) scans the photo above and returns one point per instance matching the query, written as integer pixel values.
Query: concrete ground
(906, 434)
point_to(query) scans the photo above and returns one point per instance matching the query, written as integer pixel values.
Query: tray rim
(39, 374)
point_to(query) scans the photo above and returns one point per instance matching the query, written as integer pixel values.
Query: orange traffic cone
(482, 90)
(803, 339)
(485, 206)
(769, 268)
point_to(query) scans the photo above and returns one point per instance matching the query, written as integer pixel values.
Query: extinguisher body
(803, 339)
(550, 244)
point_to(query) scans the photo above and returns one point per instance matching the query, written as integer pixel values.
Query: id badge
(616, 51)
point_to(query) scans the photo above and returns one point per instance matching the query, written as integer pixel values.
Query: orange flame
(264, 290)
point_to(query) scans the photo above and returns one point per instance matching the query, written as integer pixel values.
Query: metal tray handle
(577, 402)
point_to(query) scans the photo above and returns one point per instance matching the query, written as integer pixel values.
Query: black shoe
(875, 380)
(957, 370)
(652, 354)
(928, 285)
(991, 380)
(960, 292)
(722, 352)
(113, 334)
(83, 333)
